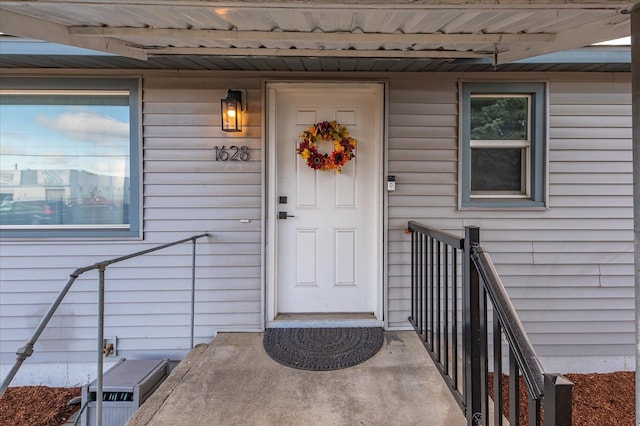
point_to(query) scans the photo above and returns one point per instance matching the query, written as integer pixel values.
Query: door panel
(327, 250)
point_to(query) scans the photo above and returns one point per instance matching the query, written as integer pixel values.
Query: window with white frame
(69, 157)
(503, 145)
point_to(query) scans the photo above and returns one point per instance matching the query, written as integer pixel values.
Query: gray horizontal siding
(423, 158)
(148, 298)
(569, 269)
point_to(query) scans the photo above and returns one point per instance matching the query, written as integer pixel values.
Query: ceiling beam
(363, 4)
(189, 35)
(27, 26)
(264, 52)
(608, 28)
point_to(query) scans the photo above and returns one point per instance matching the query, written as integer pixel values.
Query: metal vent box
(125, 387)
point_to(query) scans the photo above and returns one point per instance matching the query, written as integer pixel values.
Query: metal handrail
(27, 350)
(446, 237)
(443, 249)
(433, 282)
(514, 331)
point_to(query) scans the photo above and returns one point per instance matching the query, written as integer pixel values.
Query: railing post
(193, 289)
(558, 399)
(100, 365)
(472, 342)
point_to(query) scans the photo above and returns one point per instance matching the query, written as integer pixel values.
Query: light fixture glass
(231, 111)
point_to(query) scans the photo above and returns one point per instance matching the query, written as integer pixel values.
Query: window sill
(498, 205)
(48, 235)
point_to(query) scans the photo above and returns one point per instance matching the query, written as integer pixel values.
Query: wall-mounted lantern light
(231, 109)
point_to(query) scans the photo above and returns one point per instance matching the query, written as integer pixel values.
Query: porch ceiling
(503, 30)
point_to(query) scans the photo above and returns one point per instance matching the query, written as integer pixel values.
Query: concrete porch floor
(232, 381)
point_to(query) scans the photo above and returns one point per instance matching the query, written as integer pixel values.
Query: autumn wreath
(343, 146)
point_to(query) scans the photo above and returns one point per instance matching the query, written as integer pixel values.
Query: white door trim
(271, 88)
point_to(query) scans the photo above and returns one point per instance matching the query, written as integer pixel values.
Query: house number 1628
(233, 153)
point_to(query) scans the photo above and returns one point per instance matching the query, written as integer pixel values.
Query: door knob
(284, 215)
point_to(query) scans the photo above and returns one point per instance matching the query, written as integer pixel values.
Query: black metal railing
(449, 272)
(27, 350)
(435, 294)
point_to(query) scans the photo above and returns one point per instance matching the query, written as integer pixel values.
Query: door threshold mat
(322, 349)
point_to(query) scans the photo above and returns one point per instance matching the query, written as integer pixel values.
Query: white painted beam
(365, 4)
(26, 26)
(254, 52)
(189, 35)
(609, 28)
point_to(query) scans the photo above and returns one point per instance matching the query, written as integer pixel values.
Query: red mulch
(598, 399)
(37, 406)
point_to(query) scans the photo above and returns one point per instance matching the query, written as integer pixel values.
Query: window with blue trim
(69, 157)
(503, 154)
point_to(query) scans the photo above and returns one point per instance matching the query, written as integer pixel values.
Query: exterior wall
(148, 299)
(569, 269)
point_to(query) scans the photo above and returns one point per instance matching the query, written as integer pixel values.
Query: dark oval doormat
(322, 349)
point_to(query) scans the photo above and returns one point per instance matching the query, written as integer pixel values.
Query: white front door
(328, 248)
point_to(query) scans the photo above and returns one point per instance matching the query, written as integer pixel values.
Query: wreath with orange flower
(344, 146)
